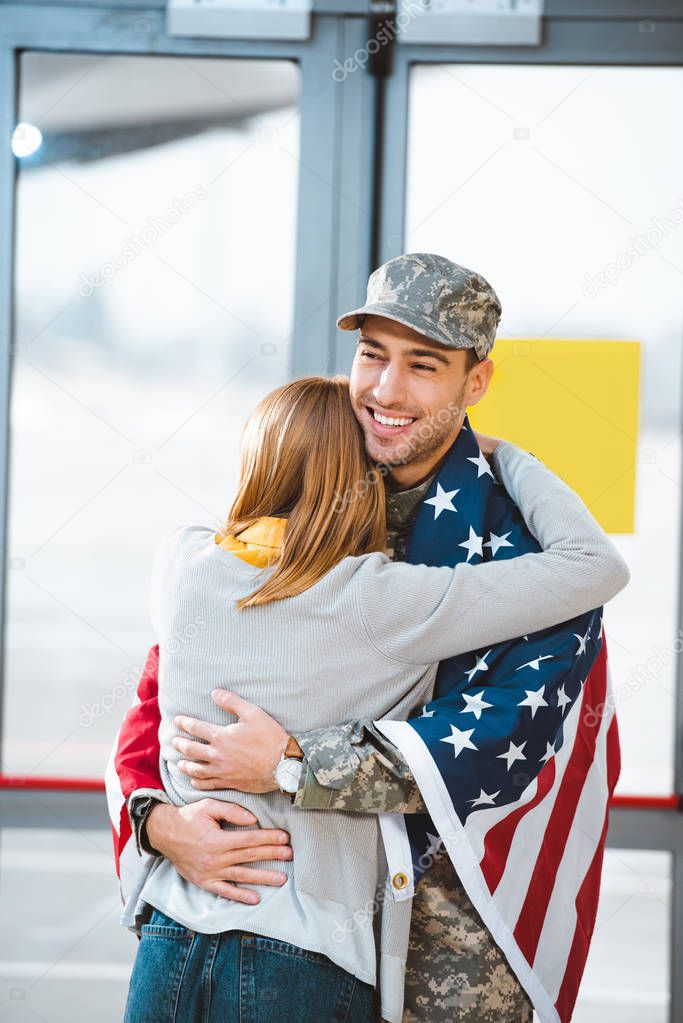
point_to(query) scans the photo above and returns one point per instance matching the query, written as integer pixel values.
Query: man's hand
(207, 855)
(241, 756)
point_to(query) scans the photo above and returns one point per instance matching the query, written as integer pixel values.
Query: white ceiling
(76, 92)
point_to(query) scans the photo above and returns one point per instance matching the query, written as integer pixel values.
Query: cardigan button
(400, 881)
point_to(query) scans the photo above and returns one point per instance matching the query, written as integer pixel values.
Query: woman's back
(307, 660)
(286, 655)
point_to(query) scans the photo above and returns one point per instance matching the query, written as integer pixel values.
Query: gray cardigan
(364, 641)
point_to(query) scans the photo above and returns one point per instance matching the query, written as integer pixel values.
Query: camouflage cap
(440, 299)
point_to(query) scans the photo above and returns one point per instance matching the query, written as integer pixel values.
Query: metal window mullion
(316, 261)
(390, 227)
(676, 945)
(334, 213)
(678, 710)
(355, 150)
(7, 233)
(336, 7)
(611, 10)
(600, 41)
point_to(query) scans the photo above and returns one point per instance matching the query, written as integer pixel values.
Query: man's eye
(369, 355)
(423, 365)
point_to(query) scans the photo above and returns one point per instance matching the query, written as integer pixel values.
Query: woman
(294, 606)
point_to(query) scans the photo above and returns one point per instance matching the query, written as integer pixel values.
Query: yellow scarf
(259, 544)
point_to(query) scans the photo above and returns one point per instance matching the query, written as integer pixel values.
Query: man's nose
(390, 389)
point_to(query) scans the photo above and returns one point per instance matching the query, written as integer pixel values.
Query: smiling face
(410, 395)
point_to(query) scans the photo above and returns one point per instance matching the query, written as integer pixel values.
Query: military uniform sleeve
(353, 767)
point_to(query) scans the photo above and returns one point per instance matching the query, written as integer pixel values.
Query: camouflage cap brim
(408, 318)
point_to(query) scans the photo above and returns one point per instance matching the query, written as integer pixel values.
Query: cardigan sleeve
(418, 614)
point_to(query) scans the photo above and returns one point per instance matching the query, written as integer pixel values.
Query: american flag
(517, 755)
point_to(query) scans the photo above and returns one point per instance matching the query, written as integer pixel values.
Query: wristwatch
(289, 768)
(139, 809)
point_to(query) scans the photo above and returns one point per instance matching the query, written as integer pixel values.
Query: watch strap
(293, 750)
(139, 810)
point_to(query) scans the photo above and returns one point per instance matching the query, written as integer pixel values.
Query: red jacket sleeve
(137, 752)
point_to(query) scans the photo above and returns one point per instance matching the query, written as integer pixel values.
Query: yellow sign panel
(574, 404)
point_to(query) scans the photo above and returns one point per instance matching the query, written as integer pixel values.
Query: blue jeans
(181, 976)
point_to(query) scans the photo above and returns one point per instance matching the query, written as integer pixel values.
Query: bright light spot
(26, 139)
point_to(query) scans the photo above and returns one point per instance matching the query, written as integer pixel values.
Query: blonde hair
(303, 457)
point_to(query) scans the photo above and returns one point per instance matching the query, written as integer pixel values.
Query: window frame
(344, 131)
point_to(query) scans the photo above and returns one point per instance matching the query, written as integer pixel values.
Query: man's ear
(478, 380)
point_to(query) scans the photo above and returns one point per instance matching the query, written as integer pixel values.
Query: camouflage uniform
(454, 969)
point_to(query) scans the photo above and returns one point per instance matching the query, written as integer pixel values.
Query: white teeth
(388, 421)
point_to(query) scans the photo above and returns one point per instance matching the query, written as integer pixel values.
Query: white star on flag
(534, 699)
(442, 501)
(460, 740)
(475, 704)
(482, 465)
(498, 541)
(481, 665)
(582, 642)
(562, 698)
(484, 799)
(536, 661)
(472, 544)
(550, 751)
(427, 713)
(514, 753)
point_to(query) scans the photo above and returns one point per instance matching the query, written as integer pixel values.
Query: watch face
(288, 773)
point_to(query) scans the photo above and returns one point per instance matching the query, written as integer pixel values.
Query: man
(426, 332)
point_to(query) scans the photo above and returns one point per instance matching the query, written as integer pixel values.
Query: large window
(156, 229)
(562, 186)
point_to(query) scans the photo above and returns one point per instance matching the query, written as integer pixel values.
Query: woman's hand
(487, 444)
(241, 756)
